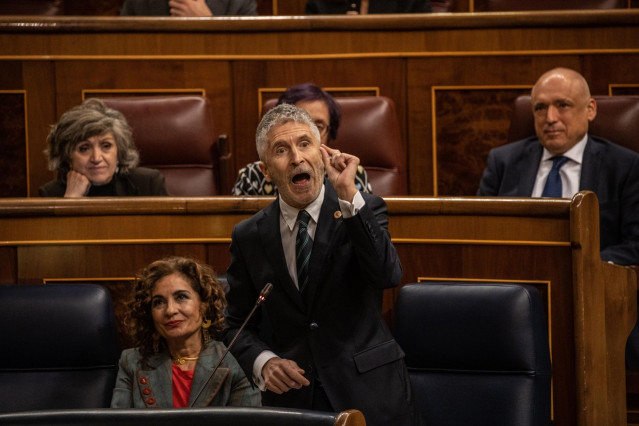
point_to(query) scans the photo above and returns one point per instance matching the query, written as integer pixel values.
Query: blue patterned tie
(303, 246)
(553, 183)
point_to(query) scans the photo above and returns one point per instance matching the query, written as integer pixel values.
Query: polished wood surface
(550, 244)
(419, 34)
(451, 76)
(350, 418)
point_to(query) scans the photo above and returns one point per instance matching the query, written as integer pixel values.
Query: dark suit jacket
(609, 170)
(334, 7)
(335, 331)
(228, 387)
(161, 7)
(138, 182)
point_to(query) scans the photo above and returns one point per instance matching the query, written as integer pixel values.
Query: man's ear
(264, 171)
(592, 109)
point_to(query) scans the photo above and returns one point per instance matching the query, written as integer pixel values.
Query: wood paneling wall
(13, 143)
(452, 77)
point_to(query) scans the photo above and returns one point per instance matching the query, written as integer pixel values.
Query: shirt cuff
(258, 364)
(351, 209)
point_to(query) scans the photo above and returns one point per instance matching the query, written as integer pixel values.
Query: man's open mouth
(301, 178)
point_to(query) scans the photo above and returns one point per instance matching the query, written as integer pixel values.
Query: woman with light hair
(91, 150)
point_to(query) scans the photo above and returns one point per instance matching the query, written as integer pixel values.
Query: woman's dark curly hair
(138, 320)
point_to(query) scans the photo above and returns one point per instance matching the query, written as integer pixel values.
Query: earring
(206, 336)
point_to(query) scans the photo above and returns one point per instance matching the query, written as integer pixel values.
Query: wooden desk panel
(552, 244)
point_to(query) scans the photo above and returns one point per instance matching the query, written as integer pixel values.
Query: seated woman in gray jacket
(174, 318)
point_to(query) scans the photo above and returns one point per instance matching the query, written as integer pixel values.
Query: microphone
(261, 298)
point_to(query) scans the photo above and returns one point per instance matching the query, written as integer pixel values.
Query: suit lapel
(330, 220)
(206, 385)
(589, 165)
(269, 229)
(528, 166)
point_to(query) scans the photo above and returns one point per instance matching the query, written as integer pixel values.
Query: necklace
(182, 360)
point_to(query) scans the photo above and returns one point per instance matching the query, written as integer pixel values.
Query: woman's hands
(77, 185)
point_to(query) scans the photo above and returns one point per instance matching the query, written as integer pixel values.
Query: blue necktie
(303, 246)
(553, 183)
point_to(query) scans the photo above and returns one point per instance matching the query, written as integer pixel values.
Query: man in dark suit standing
(328, 347)
(563, 159)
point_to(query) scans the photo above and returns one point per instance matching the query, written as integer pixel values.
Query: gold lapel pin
(337, 214)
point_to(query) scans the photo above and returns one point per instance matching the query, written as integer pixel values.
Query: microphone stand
(261, 298)
(263, 294)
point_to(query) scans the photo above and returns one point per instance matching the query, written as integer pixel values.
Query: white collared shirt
(570, 173)
(289, 227)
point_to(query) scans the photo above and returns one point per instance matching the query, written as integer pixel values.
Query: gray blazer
(228, 387)
(161, 7)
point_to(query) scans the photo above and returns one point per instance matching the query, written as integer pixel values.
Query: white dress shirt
(570, 173)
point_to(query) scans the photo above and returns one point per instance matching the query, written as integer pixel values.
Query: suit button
(314, 326)
(150, 401)
(144, 380)
(146, 391)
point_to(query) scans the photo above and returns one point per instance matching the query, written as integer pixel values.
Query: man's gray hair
(281, 114)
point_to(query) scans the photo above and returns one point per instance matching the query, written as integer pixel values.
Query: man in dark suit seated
(563, 159)
(326, 249)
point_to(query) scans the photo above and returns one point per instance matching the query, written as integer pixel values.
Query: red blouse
(182, 382)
